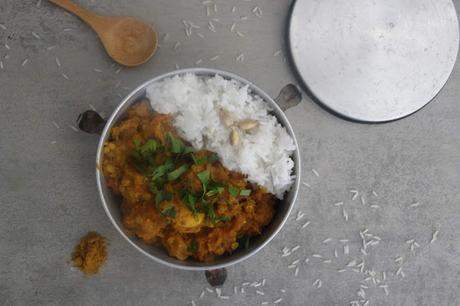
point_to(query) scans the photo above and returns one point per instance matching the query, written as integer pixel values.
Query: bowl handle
(216, 278)
(288, 97)
(91, 122)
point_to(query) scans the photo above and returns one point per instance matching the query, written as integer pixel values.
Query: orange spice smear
(91, 253)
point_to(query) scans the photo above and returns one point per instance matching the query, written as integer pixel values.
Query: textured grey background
(48, 196)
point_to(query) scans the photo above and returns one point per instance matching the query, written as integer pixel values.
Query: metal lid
(374, 60)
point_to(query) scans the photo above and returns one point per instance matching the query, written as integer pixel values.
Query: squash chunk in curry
(171, 194)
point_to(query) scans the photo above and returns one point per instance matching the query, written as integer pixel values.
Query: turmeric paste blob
(175, 196)
(91, 253)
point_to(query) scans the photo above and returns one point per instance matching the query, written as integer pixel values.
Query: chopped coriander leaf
(204, 179)
(244, 241)
(211, 193)
(245, 192)
(161, 196)
(144, 153)
(213, 158)
(188, 149)
(150, 147)
(215, 190)
(209, 211)
(223, 218)
(190, 201)
(198, 161)
(193, 246)
(233, 191)
(174, 175)
(168, 212)
(162, 170)
(220, 189)
(137, 143)
(175, 144)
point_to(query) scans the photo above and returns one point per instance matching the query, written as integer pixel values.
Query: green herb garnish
(168, 212)
(174, 175)
(193, 246)
(213, 158)
(145, 152)
(204, 179)
(215, 190)
(223, 218)
(244, 241)
(245, 192)
(209, 211)
(162, 170)
(161, 196)
(189, 200)
(177, 146)
(198, 161)
(233, 191)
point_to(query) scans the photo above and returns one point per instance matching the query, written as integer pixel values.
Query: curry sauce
(177, 196)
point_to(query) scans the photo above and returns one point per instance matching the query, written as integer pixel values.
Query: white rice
(195, 103)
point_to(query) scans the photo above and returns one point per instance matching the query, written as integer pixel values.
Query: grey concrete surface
(48, 197)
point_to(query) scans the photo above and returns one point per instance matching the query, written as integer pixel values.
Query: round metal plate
(374, 60)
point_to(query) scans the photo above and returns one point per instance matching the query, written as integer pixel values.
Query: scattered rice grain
(277, 301)
(240, 58)
(35, 35)
(176, 45)
(306, 184)
(24, 62)
(434, 237)
(345, 214)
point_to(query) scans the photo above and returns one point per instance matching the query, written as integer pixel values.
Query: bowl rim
(199, 71)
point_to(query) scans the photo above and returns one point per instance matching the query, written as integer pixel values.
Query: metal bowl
(288, 97)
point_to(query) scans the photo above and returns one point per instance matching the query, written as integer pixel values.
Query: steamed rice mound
(264, 154)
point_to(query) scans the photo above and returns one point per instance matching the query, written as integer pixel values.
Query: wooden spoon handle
(95, 21)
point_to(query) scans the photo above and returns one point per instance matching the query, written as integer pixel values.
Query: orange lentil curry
(177, 196)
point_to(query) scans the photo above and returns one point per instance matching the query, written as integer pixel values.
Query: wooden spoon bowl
(128, 41)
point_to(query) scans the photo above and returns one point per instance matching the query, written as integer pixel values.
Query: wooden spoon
(128, 41)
